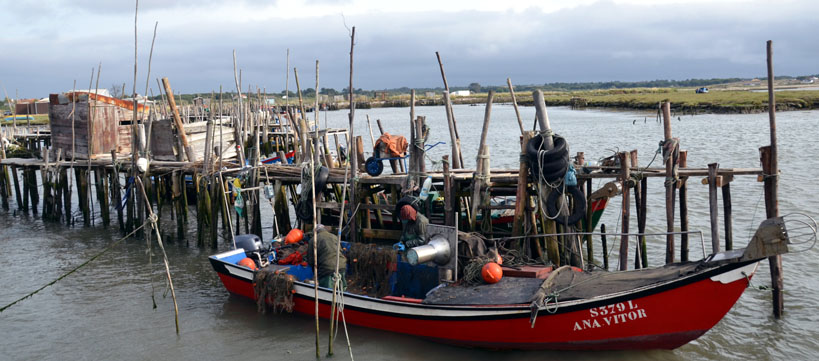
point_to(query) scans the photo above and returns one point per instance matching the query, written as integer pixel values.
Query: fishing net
(274, 289)
(371, 268)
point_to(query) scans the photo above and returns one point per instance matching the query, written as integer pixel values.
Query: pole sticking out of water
(772, 189)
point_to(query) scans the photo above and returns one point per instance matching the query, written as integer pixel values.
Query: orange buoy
(294, 236)
(247, 262)
(492, 272)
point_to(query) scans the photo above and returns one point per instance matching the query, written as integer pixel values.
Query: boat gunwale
(501, 311)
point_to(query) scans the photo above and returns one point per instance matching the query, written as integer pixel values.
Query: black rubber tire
(578, 211)
(304, 211)
(533, 147)
(373, 166)
(551, 171)
(321, 179)
(552, 175)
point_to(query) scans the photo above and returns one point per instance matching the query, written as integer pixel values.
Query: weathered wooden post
(5, 187)
(625, 178)
(449, 196)
(543, 120)
(669, 148)
(683, 209)
(17, 195)
(102, 194)
(115, 189)
(713, 168)
(46, 180)
(521, 196)
(81, 176)
(456, 162)
(770, 166)
(727, 213)
(451, 118)
(639, 254)
(515, 104)
(66, 191)
(180, 128)
(477, 182)
(605, 246)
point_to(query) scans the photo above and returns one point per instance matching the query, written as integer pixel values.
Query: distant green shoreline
(682, 101)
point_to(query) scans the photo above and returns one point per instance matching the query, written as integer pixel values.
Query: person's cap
(407, 212)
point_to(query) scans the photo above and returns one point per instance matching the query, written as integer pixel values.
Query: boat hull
(663, 316)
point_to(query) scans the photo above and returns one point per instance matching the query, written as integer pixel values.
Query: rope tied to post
(671, 151)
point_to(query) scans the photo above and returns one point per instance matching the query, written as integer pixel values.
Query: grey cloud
(599, 42)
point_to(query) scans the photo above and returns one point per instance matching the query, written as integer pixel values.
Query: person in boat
(326, 253)
(413, 227)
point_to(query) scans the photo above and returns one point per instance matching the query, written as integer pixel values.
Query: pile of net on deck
(370, 268)
(274, 289)
(567, 285)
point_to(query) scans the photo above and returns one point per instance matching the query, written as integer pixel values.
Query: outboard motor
(252, 245)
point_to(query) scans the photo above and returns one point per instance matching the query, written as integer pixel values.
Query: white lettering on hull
(609, 315)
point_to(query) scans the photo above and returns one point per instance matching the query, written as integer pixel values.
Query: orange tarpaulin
(394, 145)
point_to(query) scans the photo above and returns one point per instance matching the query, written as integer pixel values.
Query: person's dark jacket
(327, 248)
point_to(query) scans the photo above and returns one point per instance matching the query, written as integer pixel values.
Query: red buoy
(247, 262)
(294, 236)
(492, 272)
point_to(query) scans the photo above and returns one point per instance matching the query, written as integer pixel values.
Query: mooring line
(75, 268)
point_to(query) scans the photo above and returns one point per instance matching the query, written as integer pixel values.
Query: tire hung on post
(578, 209)
(550, 165)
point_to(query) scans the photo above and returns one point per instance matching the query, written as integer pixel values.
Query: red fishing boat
(560, 309)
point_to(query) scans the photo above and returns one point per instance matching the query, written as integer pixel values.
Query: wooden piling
(670, 186)
(180, 128)
(521, 196)
(588, 220)
(177, 193)
(116, 189)
(772, 210)
(515, 104)
(48, 205)
(456, 142)
(453, 138)
(81, 176)
(683, 209)
(727, 213)
(66, 193)
(713, 168)
(772, 186)
(449, 194)
(604, 246)
(102, 195)
(5, 187)
(26, 192)
(17, 195)
(640, 259)
(625, 174)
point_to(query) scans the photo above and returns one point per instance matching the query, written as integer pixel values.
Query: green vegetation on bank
(39, 119)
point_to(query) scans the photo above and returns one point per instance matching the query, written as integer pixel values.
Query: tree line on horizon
(477, 88)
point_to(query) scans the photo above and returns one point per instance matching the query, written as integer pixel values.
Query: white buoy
(142, 165)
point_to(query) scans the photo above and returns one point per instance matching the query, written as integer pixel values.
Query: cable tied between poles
(75, 269)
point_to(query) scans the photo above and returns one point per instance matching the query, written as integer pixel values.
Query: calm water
(105, 312)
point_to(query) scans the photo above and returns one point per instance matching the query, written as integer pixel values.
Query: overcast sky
(47, 45)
